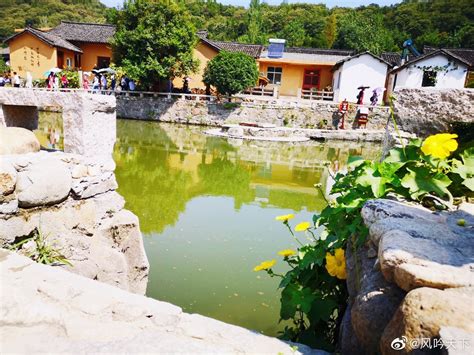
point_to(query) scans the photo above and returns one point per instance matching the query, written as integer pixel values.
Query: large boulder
(43, 183)
(8, 177)
(419, 248)
(421, 316)
(17, 140)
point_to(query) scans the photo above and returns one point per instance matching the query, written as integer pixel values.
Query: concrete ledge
(47, 309)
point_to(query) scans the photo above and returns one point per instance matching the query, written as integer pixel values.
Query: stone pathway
(47, 309)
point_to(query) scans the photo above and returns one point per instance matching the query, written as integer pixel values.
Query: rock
(43, 184)
(348, 341)
(80, 315)
(424, 312)
(9, 205)
(235, 132)
(372, 300)
(8, 177)
(79, 171)
(417, 247)
(94, 185)
(17, 140)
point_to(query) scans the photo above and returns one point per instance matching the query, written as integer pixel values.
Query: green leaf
(354, 161)
(322, 310)
(421, 181)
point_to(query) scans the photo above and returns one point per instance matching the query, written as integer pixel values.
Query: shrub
(231, 72)
(314, 292)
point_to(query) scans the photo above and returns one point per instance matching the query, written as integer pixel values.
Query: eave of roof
(48, 38)
(341, 62)
(431, 54)
(84, 32)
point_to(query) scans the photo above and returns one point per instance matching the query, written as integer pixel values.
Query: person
(64, 81)
(103, 82)
(56, 82)
(360, 96)
(16, 80)
(186, 85)
(374, 98)
(343, 108)
(2, 81)
(95, 84)
(123, 83)
(113, 82)
(29, 80)
(85, 81)
(131, 85)
(50, 81)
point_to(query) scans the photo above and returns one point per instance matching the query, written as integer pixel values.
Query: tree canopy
(231, 72)
(154, 41)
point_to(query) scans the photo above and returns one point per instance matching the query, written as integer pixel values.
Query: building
(206, 49)
(70, 45)
(298, 70)
(363, 69)
(439, 68)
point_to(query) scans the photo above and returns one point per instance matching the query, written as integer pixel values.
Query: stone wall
(88, 119)
(71, 200)
(429, 110)
(289, 114)
(412, 283)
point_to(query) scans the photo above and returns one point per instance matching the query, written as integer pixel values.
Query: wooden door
(60, 59)
(311, 79)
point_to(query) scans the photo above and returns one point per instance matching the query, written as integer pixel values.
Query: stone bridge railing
(89, 120)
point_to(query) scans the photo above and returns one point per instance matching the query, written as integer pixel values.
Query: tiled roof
(253, 50)
(341, 62)
(394, 58)
(306, 50)
(466, 54)
(49, 38)
(84, 32)
(435, 52)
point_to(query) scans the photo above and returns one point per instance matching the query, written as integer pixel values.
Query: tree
(254, 21)
(330, 30)
(231, 72)
(154, 41)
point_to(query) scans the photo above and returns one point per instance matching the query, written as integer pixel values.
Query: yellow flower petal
(285, 217)
(264, 265)
(440, 145)
(287, 252)
(301, 227)
(336, 264)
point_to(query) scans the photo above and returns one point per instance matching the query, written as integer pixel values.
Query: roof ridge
(239, 43)
(89, 23)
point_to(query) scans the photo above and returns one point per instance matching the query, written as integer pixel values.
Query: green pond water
(207, 210)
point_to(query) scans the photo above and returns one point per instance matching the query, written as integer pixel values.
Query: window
(274, 75)
(68, 62)
(77, 60)
(429, 78)
(103, 62)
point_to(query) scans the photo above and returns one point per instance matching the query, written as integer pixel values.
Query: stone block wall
(285, 114)
(412, 284)
(429, 110)
(71, 200)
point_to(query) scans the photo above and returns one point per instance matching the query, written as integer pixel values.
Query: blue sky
(329, 3)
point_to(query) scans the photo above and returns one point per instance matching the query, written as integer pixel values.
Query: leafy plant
(42, 252)
(231, 72)
(313, 292)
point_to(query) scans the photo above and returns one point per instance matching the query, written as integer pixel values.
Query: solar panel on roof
(275, 50)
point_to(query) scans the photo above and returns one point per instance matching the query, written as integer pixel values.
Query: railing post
(299, 94)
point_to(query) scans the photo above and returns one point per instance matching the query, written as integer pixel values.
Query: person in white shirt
(16, 80)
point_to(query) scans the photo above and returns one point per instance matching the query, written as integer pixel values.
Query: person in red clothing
(343, 108)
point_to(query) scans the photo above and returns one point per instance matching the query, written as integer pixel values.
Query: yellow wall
(90, 53)
(204, 54)
(292, 76)
(28, 53)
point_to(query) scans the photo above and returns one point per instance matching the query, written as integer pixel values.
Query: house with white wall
(440, 69)
(363, 69)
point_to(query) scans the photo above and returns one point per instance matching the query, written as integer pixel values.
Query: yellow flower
(440, 145)
(265, 265)
(286, 252)
(285, 217)
(303, 226)
(336, 264)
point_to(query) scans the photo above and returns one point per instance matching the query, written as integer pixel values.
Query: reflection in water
(207, 206)
(50, 130)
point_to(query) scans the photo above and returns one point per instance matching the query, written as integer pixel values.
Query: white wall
(361, 71)
(412, 77)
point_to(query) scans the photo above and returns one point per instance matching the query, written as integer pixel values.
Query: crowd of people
(10, 79)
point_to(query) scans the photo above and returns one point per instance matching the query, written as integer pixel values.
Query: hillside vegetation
(447, 23)
(47, 13)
